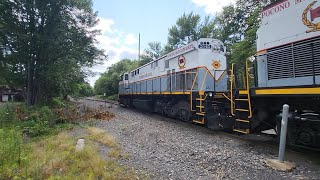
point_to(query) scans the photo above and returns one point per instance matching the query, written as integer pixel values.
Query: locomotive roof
(172, 52)
(272, 4)
(164, 56)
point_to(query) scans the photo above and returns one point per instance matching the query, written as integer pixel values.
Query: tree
(84, 89)
(188, 28)
(153, 51)
(248, 20)
(109, 81)
(49, 43)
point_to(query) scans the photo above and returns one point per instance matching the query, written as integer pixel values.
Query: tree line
(235, 26)
(46, 46)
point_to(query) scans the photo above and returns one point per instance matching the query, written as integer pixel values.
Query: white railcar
(178, 83)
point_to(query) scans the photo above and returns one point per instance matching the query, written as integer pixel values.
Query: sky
(121, 21)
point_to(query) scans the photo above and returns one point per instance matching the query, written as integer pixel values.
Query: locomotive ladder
(200, 104)
(241, 105)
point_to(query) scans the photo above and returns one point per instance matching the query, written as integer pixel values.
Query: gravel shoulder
(164, 148)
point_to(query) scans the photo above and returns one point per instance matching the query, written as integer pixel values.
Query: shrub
(113, 97)
(58, 103)
(38, 121)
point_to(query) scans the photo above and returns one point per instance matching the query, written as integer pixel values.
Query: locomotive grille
(294, 60)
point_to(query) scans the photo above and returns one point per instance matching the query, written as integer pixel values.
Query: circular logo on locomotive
(309, 17)
(182, 62)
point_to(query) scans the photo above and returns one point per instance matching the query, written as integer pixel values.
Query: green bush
(57, 102)
(113, 97)
(38, 122)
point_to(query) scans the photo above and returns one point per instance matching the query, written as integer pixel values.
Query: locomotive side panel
(288, 44)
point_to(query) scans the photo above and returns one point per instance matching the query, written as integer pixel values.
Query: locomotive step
(200, 107)
(240, 120)
(243, 110)
(244, 131)
(199, 99)
(199, 121)
(201, 114)
(242, 99)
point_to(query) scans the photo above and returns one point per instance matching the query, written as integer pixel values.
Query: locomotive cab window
(126, 77)
(221, 48)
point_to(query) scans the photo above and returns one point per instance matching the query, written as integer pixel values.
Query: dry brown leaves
(82, 113)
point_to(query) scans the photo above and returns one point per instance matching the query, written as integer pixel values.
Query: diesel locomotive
(193, 83)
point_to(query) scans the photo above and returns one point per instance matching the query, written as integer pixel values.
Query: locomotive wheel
(184, 115)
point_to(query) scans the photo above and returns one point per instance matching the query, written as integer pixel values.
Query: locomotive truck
(194, 84)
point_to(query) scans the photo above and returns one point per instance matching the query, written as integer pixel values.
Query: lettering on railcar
(145, 75)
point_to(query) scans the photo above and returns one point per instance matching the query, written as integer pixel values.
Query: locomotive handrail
(194, 81)
(200, 90)
(231, 88)
(248, 88)
(204, 80)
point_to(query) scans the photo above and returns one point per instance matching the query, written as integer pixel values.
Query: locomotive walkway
(163, 148)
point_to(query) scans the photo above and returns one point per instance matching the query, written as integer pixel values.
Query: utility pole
(139, 48)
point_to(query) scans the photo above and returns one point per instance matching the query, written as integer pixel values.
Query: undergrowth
(18, 125)
(33, 145)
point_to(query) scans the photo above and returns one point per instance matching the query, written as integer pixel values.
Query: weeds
(56, 158)
(101, 136)
(10, 150)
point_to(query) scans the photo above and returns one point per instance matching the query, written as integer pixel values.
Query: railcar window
(132, 74)
(126, 77)
(221, 48)
(166, 64)
(138, 71)
(173, 81)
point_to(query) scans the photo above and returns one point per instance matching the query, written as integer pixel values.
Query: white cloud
(213, 6)
(117, 45)
(105, 25)
(131, 39)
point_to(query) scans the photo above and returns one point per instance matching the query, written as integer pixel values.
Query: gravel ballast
(164, 148)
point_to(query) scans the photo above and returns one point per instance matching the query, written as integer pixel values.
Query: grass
(102, 137)
(56, 158)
